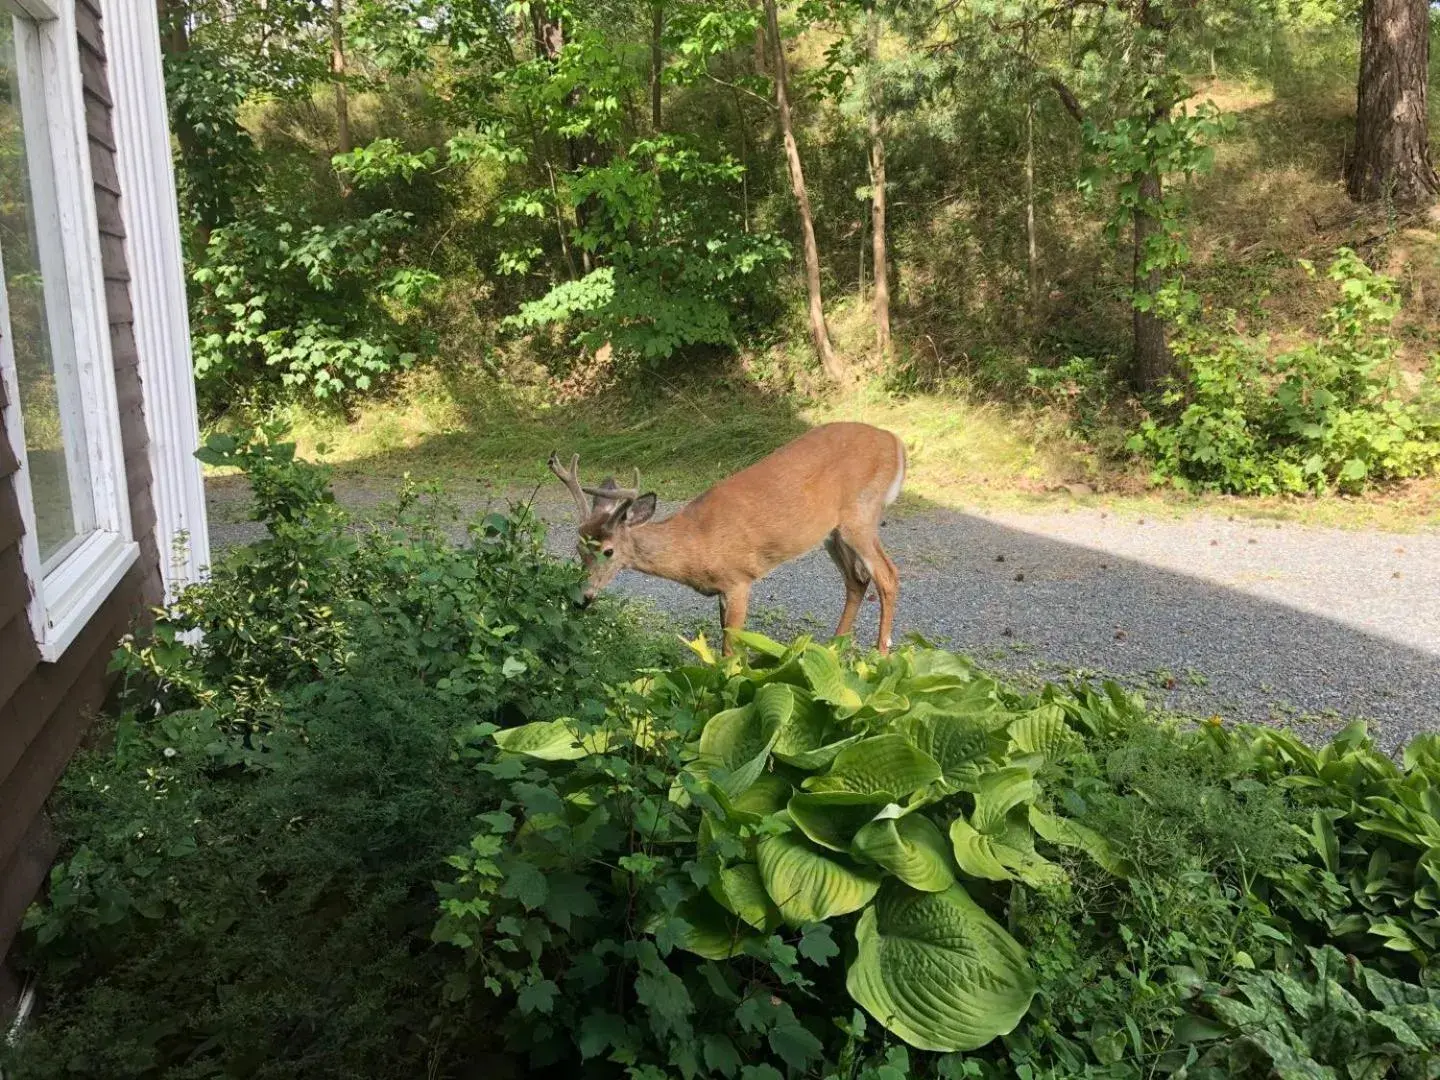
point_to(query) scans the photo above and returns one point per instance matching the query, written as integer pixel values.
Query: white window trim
(157, 289)
(62, 602)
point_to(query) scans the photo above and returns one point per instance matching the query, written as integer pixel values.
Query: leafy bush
(491, 623)
(680, 268)
(1055, 870)
(795, 860)
(246, 882)
(218, 912)
(1338, 1015)
(318, 304)
(1331, 415)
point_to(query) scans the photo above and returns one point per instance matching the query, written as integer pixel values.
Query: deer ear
(641, 510)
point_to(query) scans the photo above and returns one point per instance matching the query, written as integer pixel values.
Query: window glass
(37, 297)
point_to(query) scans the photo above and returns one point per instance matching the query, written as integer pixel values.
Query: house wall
(45, 708)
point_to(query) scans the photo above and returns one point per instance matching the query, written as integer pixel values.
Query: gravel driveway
(1248, 619)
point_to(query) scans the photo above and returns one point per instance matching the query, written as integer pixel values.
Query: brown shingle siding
(87, 28)
(112, 258)
(28, 868)
(97, 122)
(18, 653)
(92, 75)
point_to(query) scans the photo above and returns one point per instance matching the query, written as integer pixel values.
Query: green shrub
(1338, 1015)
(794, 861)
(1328, 416)
(799, 835)
(246, 880)
(312, 308)
(491, 622)
(266, 918)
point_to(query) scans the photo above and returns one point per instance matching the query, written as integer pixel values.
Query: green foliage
(491, 623)
(246, 881)
(1328, 416)
(1132, 148)
(1371, 879)
(316, 305)
(680, 267)
(221, 913)
(777, 862)
(1118, 871)
(1337, 1015)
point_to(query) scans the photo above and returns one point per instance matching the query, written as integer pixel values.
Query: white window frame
(64, 596)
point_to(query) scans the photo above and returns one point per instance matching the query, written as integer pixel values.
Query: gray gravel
(1247, 619)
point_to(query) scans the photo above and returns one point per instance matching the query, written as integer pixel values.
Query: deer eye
(608, 551)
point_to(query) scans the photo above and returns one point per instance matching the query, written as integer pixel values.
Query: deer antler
(571, 480)
(614, 494)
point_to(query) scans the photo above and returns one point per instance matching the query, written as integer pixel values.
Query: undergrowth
(402, 811)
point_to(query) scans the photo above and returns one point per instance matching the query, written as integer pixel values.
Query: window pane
(35, 287)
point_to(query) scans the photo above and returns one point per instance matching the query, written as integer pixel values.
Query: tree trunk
(877, 196)
(337, 69)
(1151, 361)
(549, 35)
(819, 334)
(1392, 139)
(657, 59)
(758, 45)
(1032, 248)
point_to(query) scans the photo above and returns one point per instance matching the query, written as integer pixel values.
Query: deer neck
(663, 550)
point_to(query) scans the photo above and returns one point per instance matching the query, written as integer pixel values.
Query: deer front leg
(734, 603)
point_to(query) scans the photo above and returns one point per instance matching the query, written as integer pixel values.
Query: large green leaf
(774, 705)
(711, 931)
(832, 818)
(547, 740)
(828, 679)
(996, 842)
(937, 971)
(1043, 734)
(742, 891)
(999, 793)
(888, 762)
(818, 758)
(959, 743)
(758, 642)
(909, 846)
(804, 728)
(979, 855)
(767, 795)
(809, 884)
(738, 741)
(733, 736)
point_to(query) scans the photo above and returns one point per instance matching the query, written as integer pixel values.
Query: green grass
(468, 430)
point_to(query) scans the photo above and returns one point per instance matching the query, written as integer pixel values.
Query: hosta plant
(900, 794)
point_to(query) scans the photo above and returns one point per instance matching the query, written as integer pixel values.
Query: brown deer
(831, 485)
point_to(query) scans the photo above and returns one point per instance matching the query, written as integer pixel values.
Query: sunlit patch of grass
(685, 436)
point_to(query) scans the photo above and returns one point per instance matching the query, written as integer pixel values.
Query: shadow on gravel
(1039, 607)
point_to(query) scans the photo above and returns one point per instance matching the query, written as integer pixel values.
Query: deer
(832, 485)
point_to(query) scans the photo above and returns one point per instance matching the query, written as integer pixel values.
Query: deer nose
(586, 598)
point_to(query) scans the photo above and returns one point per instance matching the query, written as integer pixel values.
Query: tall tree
(876, 120)
(1151, 362)
(819, 333)
(337, 71)
(657, 59)
(1392, 137)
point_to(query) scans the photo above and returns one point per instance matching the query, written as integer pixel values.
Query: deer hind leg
(877, 562)
(734, 604)
(857, 579)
